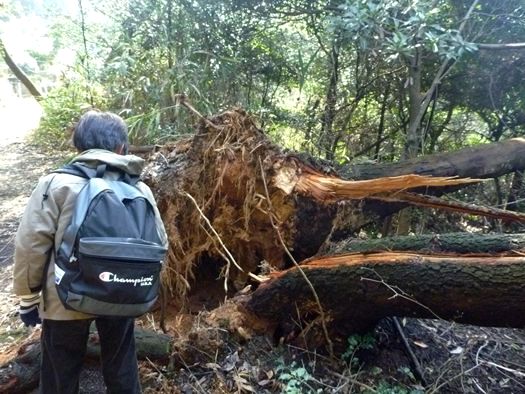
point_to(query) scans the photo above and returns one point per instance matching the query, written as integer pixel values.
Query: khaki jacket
(47, 215)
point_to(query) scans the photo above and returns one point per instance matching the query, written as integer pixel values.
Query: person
(101, 138)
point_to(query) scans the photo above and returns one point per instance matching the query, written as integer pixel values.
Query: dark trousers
(64, 345)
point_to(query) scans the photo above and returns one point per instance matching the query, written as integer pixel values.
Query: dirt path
(21, 165)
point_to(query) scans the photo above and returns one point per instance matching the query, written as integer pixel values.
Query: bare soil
(20, 167)
(209, 359)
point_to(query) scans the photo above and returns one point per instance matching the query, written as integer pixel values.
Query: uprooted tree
(240, 210)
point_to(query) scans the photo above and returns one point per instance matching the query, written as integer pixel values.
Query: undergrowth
(61, 109)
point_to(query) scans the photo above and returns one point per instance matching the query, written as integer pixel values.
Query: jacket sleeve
(35, 239)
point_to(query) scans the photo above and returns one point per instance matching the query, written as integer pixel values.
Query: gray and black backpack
(110, 257)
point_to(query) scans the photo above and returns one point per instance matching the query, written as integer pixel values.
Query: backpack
(110, 257)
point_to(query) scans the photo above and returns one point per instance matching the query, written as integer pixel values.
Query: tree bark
(21, 374)
(17, 71)
(458, 243)
(357, 290)
(483, 161)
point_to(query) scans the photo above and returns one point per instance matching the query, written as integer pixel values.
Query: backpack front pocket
(117, 271)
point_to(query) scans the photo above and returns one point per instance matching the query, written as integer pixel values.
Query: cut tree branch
(454, 243)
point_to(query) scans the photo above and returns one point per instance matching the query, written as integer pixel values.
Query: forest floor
(454, 358)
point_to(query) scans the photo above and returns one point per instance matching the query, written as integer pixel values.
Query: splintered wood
(327, 188)
(300, 178)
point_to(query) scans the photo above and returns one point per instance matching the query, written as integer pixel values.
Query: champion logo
(111, 277)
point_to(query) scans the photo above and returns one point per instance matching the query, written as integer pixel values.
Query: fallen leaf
(231, 361)
(457, 350)
(243, 333)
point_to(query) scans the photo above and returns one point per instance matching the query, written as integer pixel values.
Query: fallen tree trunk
(458, 243)
(357, 290)
(483, 161)
(21, 373)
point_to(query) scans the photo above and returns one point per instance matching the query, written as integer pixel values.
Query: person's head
(101, 130)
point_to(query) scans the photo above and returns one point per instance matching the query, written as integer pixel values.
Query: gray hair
(101, 130)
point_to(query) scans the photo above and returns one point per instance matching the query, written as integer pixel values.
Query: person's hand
(29, 310)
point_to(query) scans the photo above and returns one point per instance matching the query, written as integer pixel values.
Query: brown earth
(20, 167)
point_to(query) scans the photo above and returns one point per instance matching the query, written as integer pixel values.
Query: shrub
(61, 109)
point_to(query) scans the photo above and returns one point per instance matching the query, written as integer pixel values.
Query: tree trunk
(413, 143)
(357, 290)
(415, 109)
(516, 192)
(457, 243)
(483, 161)
(17, 71)
(381, 127)
(329, 141)
(21, 374)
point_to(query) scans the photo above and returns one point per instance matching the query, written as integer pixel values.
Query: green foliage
(219, 58)
(387, 388)
(356, 343)
(407, 372)
(400, 27)
(295, 378)
(148, 127)
(61, 108)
